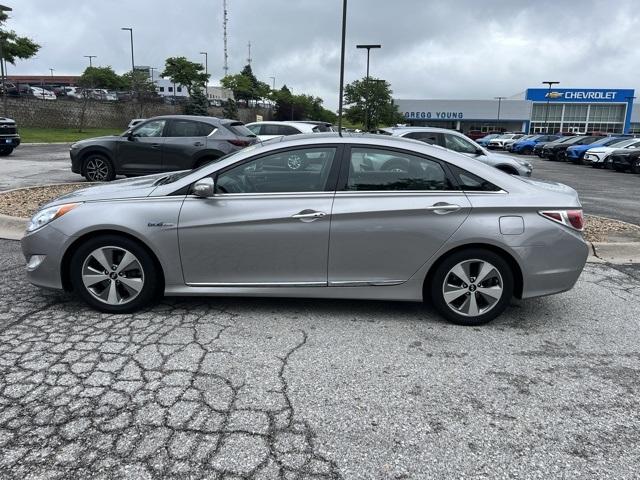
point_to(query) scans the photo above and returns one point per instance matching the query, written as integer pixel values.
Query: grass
(52, 135)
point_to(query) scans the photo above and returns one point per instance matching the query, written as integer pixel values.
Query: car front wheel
(472, 287)
(98, 168)
(5, 151)
(114, 274)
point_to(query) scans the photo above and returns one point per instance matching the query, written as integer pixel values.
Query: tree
(183, 72)
(230, 110)
(101, 77)
(369, 103)
(142, 84)
(198, 103)
(13, 46)
(240, 85)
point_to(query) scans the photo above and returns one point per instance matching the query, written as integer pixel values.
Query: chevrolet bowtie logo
(554, 95)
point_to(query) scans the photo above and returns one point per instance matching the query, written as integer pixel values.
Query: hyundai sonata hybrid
(367, 217)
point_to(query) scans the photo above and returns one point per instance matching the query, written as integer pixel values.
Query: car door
(393, 210)
(183, 140)
(141, 151)
(266, 225)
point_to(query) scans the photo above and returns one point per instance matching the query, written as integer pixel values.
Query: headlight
(48, 215)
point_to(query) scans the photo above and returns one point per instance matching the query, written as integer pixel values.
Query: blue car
(575, 153)
(525, 147)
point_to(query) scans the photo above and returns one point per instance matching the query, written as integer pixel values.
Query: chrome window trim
(269, 194)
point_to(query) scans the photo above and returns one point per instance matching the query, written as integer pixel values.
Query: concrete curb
(616, 253)
(12, 228)
(36, 144)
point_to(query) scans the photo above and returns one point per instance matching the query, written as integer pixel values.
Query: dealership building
(575, 110)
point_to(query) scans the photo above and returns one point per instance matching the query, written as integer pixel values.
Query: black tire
(6, 151)
(635, 168)
(527, 151)
(98, 168)
(151, 287)
(435, 289)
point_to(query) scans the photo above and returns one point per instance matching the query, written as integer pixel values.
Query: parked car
(508, 145)
(484, 141)
(458, 142)
(538, 149)
(498, 143)
(597, 157)
(268, 130)
(556, 150)
(575, 153)
(42, 93)
(625, 159)
(159, 144)
(9, 138)
(135, 121)
(635, 168)
(347, 227)
(322, 126)
(526, 145)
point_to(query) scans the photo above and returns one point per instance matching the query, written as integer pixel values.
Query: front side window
(458, 144)
(372, 169)
(150, 129)
(302, 170)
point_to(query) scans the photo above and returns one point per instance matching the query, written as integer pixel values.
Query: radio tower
(224, 24)
(249, 48)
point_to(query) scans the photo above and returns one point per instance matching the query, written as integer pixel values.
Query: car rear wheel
(472, 287)
(114, 274)
(98, 168)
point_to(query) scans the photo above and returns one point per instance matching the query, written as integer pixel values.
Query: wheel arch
(65, 264)
(95, 150)
(511, 261)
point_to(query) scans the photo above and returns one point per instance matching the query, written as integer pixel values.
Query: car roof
(418, 129)
(284, 122)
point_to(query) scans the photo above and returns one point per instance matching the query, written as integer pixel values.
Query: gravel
(600, 229)
(26, 201)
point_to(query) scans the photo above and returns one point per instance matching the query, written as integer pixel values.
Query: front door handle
(308, 215)
(155, 145)
(198, 144)
(442, 208)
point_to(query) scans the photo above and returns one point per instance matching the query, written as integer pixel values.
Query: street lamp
(52, 70)
(366, 118)
(206, 63)
(344, 34)
(4, 83)
(546, 115)
(499, 104)
(273, 79)
(133, 64)
(90, 57)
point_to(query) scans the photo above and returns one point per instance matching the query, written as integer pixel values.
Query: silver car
(368, 217)
(456, 141)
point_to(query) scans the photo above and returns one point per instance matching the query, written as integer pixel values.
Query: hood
(602, 149)
(120, 189)
(87, 141)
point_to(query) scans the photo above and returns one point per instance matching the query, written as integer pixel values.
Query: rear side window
(372, 169)
(188, 128)
(458, 144)
(472, 183)
(427, 137)
(239, 129)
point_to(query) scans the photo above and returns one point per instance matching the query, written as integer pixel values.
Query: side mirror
(479, 151)
(130, 136)
(204, 188)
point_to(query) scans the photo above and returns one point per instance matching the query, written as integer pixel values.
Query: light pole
(273, 79)
(366, 100)
(344, 35)
(4, 83)
(206, 64)
(52, 70)
(90, 57)
(629, 104)
(546, 115)
(499, 105)
(133, 64)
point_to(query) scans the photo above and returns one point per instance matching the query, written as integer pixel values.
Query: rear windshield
(239, 129)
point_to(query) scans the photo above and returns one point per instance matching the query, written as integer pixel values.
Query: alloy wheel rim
(97, 169)
(113, 275)
(472, 287)
(294, 162)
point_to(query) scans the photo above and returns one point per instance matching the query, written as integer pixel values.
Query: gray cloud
(431, 48)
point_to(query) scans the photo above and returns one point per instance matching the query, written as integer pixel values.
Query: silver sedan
(364, 217)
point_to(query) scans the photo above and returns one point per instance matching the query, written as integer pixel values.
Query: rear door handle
(308, 215)
(155, 145)
(442, 208)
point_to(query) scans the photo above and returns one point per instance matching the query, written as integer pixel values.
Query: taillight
(240, 143)
(569, 218)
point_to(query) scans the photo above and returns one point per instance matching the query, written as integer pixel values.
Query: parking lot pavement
(602, 192)
(268, 388)
(32, 165)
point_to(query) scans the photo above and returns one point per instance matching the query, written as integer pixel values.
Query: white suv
(499, 142)
(268, 130)
(597, 156)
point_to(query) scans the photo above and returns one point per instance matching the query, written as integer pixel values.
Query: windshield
(626, 142)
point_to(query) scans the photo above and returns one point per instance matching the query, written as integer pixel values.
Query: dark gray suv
(159, 144)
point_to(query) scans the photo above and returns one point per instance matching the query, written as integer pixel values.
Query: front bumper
(51, 244)
(11, 141)
(75, 161)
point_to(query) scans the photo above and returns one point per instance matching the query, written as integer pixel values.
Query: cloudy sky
(431, 48)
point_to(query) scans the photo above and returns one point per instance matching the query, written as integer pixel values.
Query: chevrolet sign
(580, 95)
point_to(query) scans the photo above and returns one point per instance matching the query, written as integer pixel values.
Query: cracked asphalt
(230, 388)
